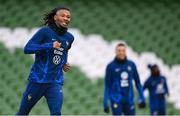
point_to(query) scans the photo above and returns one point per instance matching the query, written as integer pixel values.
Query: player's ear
(55, 17)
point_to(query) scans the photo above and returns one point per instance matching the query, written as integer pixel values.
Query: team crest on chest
(129, 68)
(67, 43)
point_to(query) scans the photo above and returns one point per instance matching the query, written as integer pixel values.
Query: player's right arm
(107, 88)
(142, 103)
(146, 84)
(35, 45)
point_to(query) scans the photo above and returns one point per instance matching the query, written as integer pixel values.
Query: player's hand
(66, 67)
(142, 105)
(56, 45)
(106, 110)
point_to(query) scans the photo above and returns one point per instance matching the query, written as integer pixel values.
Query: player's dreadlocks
(49, 16)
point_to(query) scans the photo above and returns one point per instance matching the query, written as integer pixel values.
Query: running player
(50, 44)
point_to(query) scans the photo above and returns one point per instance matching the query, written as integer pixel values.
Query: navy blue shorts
(33, 93)
(122, 108)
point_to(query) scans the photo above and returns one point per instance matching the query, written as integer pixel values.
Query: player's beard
(119, 60)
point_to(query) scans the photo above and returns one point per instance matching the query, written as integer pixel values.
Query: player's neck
(58, 29)
(121, 61)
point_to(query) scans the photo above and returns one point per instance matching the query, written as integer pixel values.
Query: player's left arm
(67, 66)
(138, 85)
(166, 87)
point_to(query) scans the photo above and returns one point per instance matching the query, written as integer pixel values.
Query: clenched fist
(66, 67)
(56, 44)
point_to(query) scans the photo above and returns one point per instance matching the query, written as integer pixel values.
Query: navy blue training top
(49, 62)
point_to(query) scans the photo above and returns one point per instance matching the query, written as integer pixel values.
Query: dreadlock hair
(49, 16)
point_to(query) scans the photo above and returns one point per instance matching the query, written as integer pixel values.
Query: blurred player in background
(158, 89)
(50, 44)
(119, 77)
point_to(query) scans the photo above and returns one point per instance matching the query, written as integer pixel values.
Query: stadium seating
(151, 25)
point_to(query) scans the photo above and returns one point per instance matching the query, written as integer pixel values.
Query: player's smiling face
(121, 52)
(62, 17)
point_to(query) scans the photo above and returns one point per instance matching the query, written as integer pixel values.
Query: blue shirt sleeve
(146, 84)
(35, 43)
(72, 40)
(69, 47)
(138, 85)
(107, 86)
(166, 87)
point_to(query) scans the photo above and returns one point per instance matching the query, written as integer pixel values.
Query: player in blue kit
(158, 89)
(50, 44)
(119, 77)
